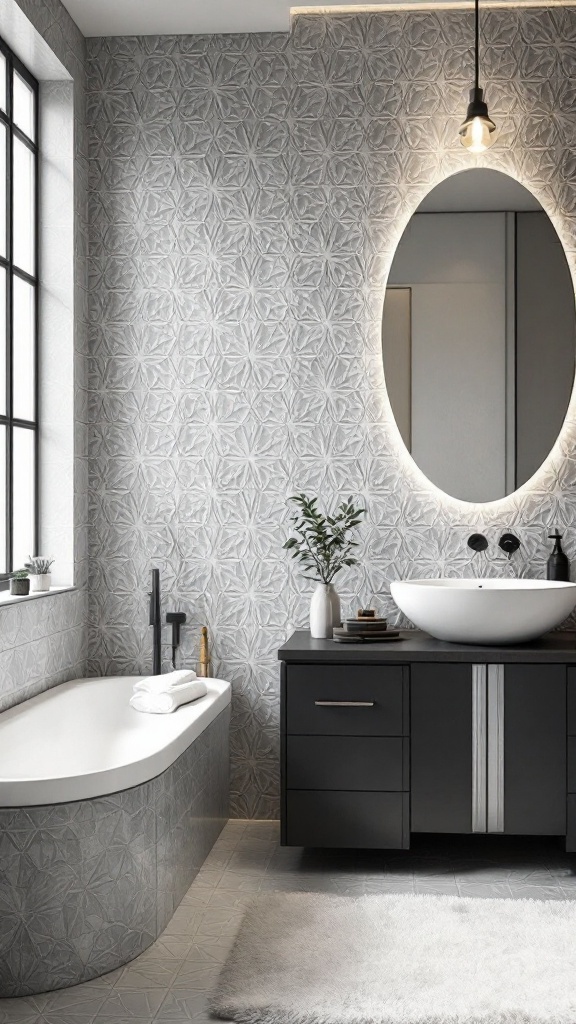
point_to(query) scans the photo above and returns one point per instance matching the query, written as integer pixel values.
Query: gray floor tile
(240, 881)
(19, 1011)
(436, 887)
(297, 883)
(171, 948)
(184, 922)
(345, 885)
(83, 1001)
(60, 1017)
(251, 861)
(208, 877)
(99, 1019)
(218, 857)
(537, 892)
(183, 1005)
(196, 977)
(146, 973)
(485, 890)
(171, 981)
(226, 899)
(197, 898)
(133, 1003)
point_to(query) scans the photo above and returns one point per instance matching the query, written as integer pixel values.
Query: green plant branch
(322, 544)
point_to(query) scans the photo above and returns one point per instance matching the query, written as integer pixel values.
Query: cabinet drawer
(318, 699)
(356, 820)
(346, 762)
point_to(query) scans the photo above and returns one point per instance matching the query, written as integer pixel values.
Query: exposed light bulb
(478, 132)
(477, 135)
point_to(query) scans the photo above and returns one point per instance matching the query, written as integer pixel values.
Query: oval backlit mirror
(479, 333)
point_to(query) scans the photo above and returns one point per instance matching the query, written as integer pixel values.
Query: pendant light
(478, 131)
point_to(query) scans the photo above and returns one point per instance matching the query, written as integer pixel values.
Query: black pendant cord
(477, 44)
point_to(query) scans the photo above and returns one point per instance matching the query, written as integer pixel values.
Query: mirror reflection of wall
(479, 335)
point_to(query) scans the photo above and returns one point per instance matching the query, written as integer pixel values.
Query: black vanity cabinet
(382, 740)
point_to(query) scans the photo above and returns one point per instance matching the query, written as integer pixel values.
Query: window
(18, 312)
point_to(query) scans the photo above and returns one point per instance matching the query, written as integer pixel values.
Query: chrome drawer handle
(344, 703)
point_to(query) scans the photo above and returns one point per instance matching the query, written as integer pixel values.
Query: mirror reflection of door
(479, 335)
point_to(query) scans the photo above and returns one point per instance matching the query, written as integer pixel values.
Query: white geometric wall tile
(247, 193)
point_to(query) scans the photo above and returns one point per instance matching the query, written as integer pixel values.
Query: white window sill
(7, 599)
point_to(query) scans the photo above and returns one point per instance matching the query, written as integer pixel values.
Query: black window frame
(13, 64)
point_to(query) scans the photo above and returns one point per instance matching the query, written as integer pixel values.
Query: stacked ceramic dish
(365, 630)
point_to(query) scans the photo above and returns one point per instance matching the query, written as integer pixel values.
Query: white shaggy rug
(303, 958)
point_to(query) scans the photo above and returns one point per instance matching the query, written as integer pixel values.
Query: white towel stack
(160, 695)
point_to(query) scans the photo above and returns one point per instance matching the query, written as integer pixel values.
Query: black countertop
(558, 647)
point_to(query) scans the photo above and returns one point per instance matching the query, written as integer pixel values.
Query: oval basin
(485, 611)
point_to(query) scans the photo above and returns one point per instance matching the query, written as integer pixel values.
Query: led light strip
(426, 5)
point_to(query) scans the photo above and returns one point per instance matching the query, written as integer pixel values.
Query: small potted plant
(39, 572)
(19, 583)
(324, 547)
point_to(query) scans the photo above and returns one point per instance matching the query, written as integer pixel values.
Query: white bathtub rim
(164, 739)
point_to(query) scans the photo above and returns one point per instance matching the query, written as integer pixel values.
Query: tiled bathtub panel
(88, 885)
(79, 894)
(192, 810)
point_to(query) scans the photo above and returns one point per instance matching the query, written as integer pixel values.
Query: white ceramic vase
(324, 611)
(40, 583)
(336, 610)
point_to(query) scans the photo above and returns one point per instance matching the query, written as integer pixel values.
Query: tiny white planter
(324, 611)
(38, 584)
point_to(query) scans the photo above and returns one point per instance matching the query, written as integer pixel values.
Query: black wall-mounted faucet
(156, 623)
(509, 543)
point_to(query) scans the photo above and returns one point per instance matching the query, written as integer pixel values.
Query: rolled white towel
(165, 703)
(165, 683)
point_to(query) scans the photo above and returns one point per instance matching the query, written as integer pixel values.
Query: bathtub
(106, 816)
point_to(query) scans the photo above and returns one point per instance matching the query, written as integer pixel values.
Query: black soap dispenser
(557, 566)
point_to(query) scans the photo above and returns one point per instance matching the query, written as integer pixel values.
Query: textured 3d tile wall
(247, 193)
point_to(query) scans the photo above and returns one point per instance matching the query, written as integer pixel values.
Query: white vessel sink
(485, 611)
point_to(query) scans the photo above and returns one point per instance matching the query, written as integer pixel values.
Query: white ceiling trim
(192, 17)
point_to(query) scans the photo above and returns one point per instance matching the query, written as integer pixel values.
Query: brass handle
(344, 703)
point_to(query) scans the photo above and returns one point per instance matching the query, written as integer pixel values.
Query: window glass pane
(24, 101)
(3, 137)
(3, 566)
(23, 503)
(23, 349)
(2, 343)
(2, 81)
(23, 223)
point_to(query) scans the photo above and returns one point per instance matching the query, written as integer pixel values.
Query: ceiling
(152, 17)
(183, 17)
